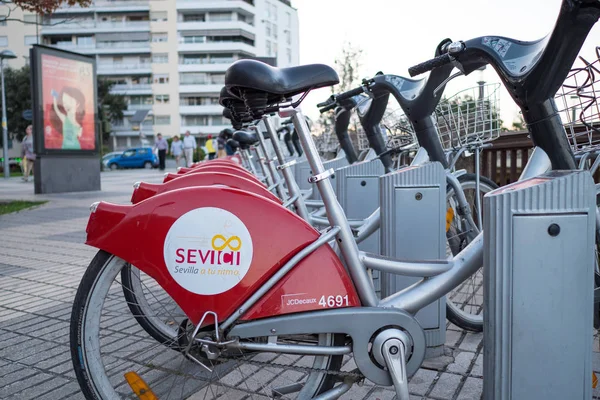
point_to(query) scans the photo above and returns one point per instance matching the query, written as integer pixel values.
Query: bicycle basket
(471, 116)
(577, 103)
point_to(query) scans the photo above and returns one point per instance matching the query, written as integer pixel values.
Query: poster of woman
(68, 104)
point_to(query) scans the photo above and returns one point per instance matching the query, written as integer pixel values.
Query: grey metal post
(4, 125)
(539, 279)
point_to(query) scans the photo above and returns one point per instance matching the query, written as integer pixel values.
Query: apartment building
(167, 57)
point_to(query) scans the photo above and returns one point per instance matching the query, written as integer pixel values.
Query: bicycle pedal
(139, 386)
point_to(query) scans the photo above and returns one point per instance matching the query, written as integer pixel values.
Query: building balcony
(107, 6)
(218, 5)
(217, 47)
(200, 67)
(131, 89)
(200, 88)
(203, 130)
(106, 47)
(124, 69)
(195, 26)
(136, 107)
(213, 109)
(130, 128)
(81, 27)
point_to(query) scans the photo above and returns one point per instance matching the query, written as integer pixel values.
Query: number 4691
(333, 301)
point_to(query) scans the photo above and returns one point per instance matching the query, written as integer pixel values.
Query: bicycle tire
(461, 318)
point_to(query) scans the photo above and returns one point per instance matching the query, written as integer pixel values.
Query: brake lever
(448, 79)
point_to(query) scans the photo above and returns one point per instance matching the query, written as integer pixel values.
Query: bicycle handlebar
(430, 64)
(327, 108)
(328, 102)
(349, 94)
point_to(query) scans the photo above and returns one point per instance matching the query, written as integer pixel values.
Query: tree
(18, 99)
(40, 7)
(112, 103)
(518, 124)
(348, 66)
(46, 6)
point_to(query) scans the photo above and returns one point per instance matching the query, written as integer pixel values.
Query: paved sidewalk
(42, 259)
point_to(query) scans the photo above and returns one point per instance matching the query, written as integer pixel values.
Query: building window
(274, 12)
(161, 99)
(288, 18)
(162, 120)
(29, 40)
(158, 16)
(268, 48)
(275, 48)
(217, 120)
(199, 101)
(221, 16)
(194, 17)
(268, 10)
(3, 41)
(289, 55)
(275, 31)
(140, 100)
(85, 41)
(268, 28)
(31, 18)
(193, 39)
(160, 58)
(195, 120)
(288, 37)
(160, 37)
(161, 79)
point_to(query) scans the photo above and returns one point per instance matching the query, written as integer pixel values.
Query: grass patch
(16, 173)
(7, 207)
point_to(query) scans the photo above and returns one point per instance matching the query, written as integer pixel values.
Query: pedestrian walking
(27, 154)
(161, 145)
(176, 149)
(211, 147)
(189, 146)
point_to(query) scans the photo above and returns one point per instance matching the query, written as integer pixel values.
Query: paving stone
(452, 338)
(39, 390)
(471, 341)
(446, 386)
(471, 390)
(63, 391)
(421, 381)
(19, 381)
(478, 367)
(462, 362)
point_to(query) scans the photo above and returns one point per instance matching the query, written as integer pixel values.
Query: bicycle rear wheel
(108, 341)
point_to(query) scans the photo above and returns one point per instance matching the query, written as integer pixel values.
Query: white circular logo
(208, 250)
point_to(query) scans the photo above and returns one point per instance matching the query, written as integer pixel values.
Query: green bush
(199, 154)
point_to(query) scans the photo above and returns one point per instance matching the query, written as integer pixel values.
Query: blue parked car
(139, 157)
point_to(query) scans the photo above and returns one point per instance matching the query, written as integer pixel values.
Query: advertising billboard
(64, 102)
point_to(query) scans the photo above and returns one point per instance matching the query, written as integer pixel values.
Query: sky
(396, 34)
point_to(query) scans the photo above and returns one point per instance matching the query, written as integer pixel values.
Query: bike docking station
(357, 189)
(538, 284)
(303, 173)
(412, 202)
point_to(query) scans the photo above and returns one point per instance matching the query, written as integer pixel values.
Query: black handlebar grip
(329, 107)
(328, 102)
(349, 93)
(429, 65)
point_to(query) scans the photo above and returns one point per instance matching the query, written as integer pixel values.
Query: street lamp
(5, 54)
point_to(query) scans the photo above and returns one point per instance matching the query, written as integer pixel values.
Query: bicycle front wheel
(464, 304)
(108, 341)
